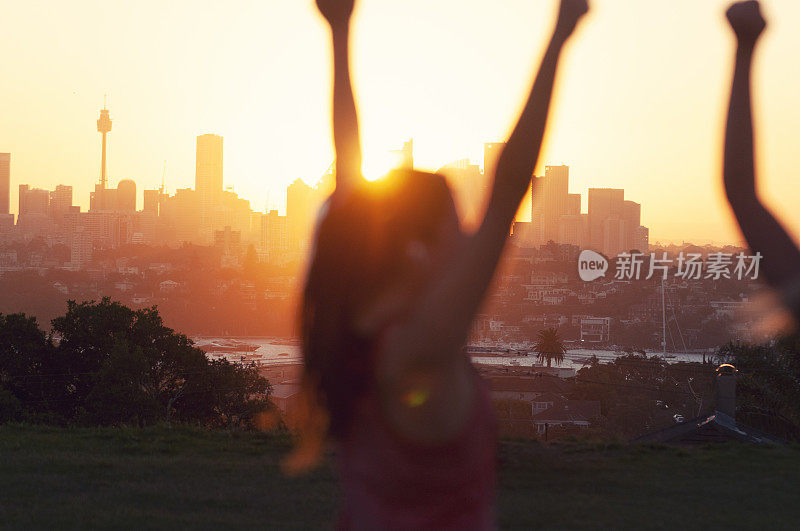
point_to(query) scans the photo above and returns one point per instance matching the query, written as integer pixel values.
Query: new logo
(591, 265)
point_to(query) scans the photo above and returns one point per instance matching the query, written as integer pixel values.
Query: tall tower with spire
(103, 127)
(103, 198)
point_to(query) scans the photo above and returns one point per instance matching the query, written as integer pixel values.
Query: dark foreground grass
(179, 478)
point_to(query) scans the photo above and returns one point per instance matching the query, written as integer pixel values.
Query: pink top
(392, 483)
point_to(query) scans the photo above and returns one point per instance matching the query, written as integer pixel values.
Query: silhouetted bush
(107, 364)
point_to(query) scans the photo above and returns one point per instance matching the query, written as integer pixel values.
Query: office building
(5, 183)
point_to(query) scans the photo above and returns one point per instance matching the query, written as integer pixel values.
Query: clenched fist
(746, 20)
(336, 12)
(569, 14)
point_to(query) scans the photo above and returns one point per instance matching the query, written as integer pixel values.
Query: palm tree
(549, 346)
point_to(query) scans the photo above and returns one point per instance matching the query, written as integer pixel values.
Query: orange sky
(641, 103)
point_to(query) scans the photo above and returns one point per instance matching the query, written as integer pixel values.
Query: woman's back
(390, 482)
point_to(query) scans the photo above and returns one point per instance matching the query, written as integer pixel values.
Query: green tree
(126, 366)
(25, 352)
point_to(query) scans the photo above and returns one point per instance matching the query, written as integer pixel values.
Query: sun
(377, 164)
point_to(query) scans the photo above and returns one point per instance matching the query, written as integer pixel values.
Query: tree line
(103, 363)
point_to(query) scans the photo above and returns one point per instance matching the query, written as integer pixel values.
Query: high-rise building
(5, 183)
(152, 201)
(180, 213)
(61, 199)
(573, 204)
(573, 229)
(273, 235)
(208, 180)
(299, 210)
(33, 200)
(102, 199)
(126, 196)
(632, 214)
(33, 219)
(554, 191)
(469, 189)
(233, 211)
(641, 239)
(228, 239)
(607, 231)
(80, 247)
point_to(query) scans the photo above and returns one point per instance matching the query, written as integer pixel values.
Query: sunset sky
(641, 102)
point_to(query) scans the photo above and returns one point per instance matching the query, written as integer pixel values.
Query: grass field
(159, 478)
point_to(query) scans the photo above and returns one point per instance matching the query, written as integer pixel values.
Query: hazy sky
(642, 94)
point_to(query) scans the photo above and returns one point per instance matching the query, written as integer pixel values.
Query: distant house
(529, 406)
(525, 388)
(545, 401)
(160, 267)
(60, 286)
(595, 329)
(8, 258)
(570, 413)
(715, 427)
(718, 426)
(168, 285)
(124, 286)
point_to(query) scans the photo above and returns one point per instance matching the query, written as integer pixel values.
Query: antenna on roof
(163, 177)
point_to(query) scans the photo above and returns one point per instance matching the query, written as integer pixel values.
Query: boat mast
(663, 319)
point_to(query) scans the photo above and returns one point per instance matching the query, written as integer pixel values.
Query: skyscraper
(126, 195)
(5, 183)
(273, 234)
(61, 199)
(208, 179)
(632, 214)
(573, 204)
(469, 190)
(299, 208)
(555, 196)
(607, 231)
(33, 201)
(152, 201)
(208, 168)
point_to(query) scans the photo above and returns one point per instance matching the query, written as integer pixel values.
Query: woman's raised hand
(569, 14)
(336, 12)
(746, 20)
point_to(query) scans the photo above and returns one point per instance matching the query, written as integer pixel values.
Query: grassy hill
(189, 478)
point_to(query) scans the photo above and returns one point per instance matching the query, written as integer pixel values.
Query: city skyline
(273, 109)
(208, 182)
(555, 214)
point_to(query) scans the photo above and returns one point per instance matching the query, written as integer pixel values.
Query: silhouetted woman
(764, 233)
(392, 288)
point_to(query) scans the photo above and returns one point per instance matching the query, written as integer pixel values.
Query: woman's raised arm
(763, 232)
(346, 137)
(453, 303)
(439, 325)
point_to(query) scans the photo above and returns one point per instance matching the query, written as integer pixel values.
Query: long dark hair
(360, 248)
